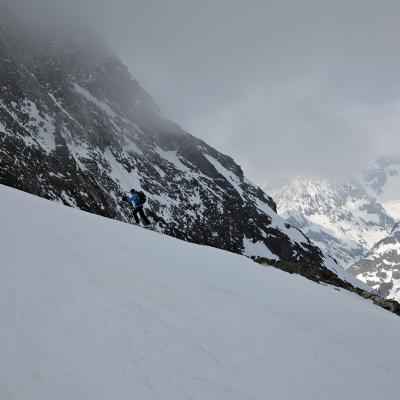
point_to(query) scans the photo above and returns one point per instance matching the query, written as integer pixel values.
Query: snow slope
(92, 308)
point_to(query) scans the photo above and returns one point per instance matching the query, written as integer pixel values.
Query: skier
(137, 199)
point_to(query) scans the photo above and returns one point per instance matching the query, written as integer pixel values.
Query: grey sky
(285, 87)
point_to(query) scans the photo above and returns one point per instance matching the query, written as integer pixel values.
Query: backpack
(142, 197)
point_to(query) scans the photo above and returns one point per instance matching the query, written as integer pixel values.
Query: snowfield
(92, 308)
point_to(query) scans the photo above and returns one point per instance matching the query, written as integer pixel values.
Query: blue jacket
(135, 199)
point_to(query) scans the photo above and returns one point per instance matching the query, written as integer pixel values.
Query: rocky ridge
(76, 128)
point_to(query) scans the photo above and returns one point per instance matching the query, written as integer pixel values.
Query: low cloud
(285, 87)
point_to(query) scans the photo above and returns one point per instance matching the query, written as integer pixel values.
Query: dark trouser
(140, 211)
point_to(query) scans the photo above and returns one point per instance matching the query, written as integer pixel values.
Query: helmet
(133, 191)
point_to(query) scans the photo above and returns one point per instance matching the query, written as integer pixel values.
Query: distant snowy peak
(351, 221)
(341, 218)
(380, 268)
(396, 229)
(393, 208)
(383, 181)
(382, 173)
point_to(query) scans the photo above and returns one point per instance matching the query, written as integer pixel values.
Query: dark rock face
(76, 128)
(380, 268)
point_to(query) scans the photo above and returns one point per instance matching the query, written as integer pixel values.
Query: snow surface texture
(341, 218)
(93, 308)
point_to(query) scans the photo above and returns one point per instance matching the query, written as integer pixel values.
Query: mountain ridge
(76, 128)
(380, 267)
(343, 219)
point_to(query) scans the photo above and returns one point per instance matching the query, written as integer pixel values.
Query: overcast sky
(285, 87)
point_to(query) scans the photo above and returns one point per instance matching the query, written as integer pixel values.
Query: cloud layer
(285, 87)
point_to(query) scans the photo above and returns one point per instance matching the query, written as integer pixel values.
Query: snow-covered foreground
(92, 308)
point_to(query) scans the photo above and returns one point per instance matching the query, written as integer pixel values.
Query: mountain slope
(380, 267)
(342, 219)
(92, 308)
(76, 128)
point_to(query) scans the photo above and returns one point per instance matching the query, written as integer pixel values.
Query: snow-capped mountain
(383, 181)
(380, 268)
(76, 128)
(341, 218)
(89, 310)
